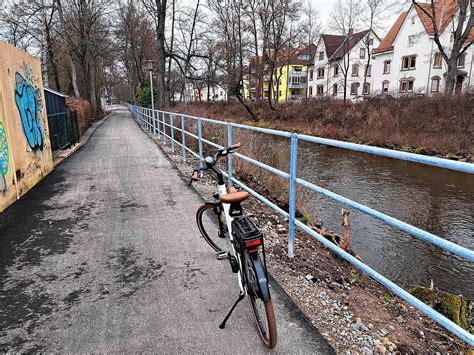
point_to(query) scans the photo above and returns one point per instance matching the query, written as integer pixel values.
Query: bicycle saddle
(234, 196)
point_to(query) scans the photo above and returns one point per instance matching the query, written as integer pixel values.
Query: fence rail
(155, 122)
(63, 129)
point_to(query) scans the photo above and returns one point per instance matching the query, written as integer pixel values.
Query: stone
(309, 278)
(358, 320)
(400, 318)
(383, 332)
(380, 349)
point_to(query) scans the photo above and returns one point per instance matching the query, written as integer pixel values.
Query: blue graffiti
(30, 106)
(3, 157)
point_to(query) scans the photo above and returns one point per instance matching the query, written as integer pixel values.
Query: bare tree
(158, 10)
(311, 23)
(461, 15)
(345, 17)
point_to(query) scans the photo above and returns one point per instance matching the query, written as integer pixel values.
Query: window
(320, 73)
(304, 57)
(310, 91)
(295, 79)
(369, 70)
(354, 88)
(366, 90)
(279, 92)
(462, 60)
(438, 60)
(336, 70)
(406, 85)
(435, 80)
(386, 66)
(355, 69)
(334, 89)
(297, 69)
(409, 62)
(413, 20)
(311, 74)
(320, 90)
(321, 55)
(362, 53)
(451, 38)
(371, 41)
(303, 80)
(385, 86)
(411, 40)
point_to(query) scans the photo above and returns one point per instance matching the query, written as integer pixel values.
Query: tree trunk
(92, 89)
(451, 76)
(74, 77)
(161, 55)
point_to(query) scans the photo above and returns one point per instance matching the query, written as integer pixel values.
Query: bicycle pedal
(222, 255)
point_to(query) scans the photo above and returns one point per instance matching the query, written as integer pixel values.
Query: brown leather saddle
(234, 196)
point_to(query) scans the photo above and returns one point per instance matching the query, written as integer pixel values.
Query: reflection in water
(437, 200)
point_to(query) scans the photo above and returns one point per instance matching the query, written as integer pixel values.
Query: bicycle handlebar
(210, 164)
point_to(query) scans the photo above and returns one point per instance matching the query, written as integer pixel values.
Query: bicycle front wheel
(259, 296)
(212, 227)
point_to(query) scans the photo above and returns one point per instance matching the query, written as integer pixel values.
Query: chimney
(350, 33)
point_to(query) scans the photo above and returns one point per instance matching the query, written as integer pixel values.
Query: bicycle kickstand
(241, 297)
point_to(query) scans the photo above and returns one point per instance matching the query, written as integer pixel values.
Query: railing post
(229, 156)
(172, 131)
(200, 140)
(164, 128)
(155, 131)
(292, 197)
(183, 137)
(158, 122)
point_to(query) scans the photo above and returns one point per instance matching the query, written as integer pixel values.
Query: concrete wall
(25, 149)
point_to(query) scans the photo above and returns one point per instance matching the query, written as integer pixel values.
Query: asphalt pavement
(104, 255)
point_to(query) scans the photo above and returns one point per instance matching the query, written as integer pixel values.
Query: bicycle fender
(261, 276)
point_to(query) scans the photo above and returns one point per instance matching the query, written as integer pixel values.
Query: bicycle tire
(264, 317)
(217, 243)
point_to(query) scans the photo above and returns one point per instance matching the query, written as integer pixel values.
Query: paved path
(104, 256)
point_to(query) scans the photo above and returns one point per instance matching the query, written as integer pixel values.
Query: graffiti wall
(25, 150)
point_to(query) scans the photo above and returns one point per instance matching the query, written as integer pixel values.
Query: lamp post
(149, 64)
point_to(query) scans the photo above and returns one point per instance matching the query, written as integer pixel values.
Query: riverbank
(351, 310)
(438, 126)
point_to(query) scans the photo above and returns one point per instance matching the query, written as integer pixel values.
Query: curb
(58, 159)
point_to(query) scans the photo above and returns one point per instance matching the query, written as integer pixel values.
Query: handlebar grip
(235, 146)
(195, 176)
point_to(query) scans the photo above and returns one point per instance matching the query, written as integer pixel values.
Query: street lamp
(149, 64)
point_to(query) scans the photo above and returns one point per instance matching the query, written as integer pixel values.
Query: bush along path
(351, 311)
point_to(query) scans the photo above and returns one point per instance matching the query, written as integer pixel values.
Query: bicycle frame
(229, 219)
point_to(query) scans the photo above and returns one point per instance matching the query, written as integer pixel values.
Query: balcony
(297, 73)
(297, 85)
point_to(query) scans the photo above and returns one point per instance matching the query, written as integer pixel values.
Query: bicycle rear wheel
(259, 296)
(208, 224)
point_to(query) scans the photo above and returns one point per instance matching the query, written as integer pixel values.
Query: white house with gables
(408, 61)
(336, 55)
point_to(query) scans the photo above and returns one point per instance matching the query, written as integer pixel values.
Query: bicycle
(239, 241)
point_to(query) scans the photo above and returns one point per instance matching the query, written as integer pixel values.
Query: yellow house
(290, 78)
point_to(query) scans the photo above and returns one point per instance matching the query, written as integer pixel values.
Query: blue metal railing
(147, 119)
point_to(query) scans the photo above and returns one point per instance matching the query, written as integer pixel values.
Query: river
(436, 200)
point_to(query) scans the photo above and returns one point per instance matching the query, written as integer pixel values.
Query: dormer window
(321, 55)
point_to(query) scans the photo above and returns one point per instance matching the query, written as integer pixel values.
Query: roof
(335, 44)
(332, 43)
(387, 43)
(302, 50)
(348, 44)
(55, 92)
(444, 13)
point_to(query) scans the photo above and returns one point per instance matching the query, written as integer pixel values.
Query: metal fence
(63, 130)
(156, 121)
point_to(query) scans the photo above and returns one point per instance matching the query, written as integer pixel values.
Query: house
(408, 60)
(342, 59)
(289, 77)
(213, 92)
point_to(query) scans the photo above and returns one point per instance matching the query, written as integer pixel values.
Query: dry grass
(429, 125)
